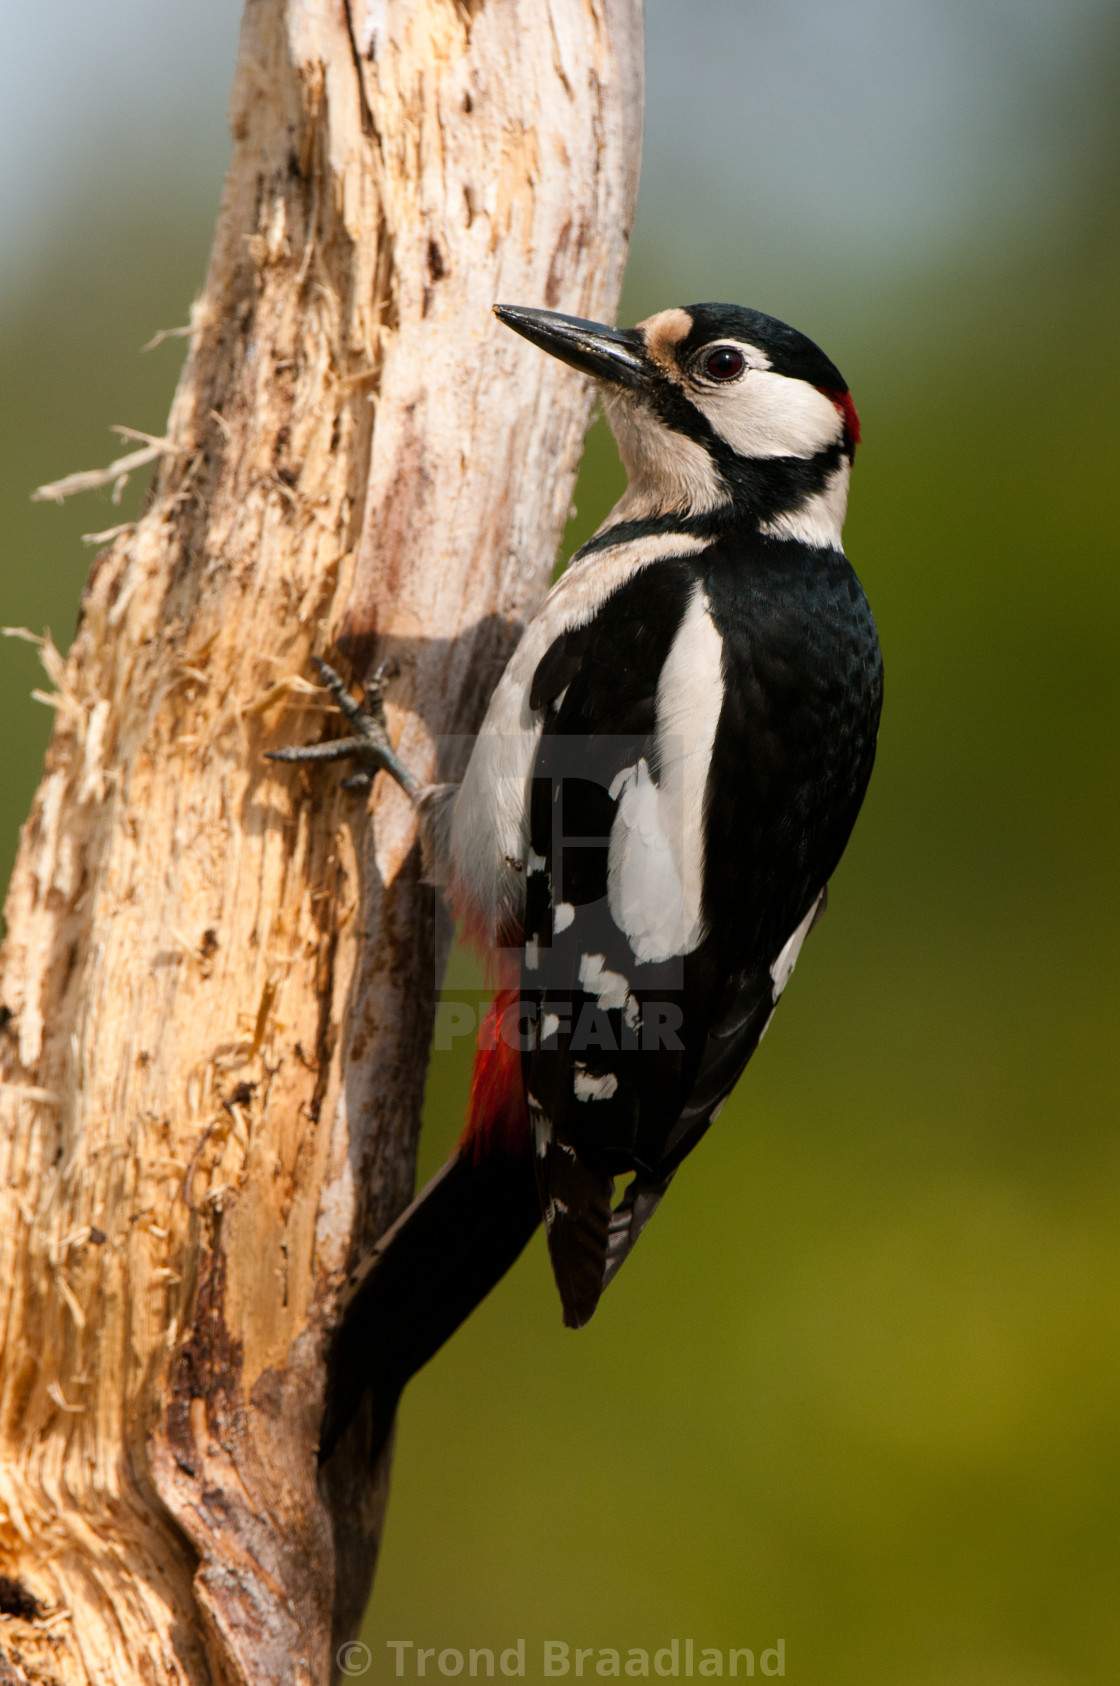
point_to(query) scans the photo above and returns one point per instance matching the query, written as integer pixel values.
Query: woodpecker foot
(369, 743)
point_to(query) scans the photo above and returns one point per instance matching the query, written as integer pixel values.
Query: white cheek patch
(769, 415)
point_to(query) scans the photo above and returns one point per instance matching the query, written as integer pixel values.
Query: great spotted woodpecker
(664, 782)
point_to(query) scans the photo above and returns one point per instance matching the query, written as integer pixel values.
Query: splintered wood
(217, 985)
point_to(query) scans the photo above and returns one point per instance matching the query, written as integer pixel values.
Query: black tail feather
(427, 1273)
(577, 1212)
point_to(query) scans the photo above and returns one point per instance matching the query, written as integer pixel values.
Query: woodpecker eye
(723, 364)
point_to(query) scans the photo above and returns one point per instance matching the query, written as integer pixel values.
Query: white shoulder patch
(644, 884)
(655, 863)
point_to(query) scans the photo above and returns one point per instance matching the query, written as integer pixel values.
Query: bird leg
(369, 743)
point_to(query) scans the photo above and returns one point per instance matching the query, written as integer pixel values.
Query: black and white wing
(644, 1015)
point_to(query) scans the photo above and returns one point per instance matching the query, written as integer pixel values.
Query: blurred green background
(859, 1387)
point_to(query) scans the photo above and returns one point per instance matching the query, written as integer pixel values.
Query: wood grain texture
(218, 979)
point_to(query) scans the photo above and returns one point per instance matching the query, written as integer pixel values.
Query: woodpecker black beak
(616, 355)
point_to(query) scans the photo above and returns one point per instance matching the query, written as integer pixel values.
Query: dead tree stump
(218, 978)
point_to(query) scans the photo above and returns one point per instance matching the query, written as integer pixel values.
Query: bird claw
(368, 716)
(369, 742)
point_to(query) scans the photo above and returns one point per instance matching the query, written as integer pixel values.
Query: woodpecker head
(719, 412)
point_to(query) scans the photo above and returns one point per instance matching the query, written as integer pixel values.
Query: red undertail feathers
(497, 1117)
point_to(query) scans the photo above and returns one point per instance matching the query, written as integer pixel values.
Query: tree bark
(219, 975)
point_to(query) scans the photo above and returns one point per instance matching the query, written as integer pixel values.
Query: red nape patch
(497, 1117)
(843, 402)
